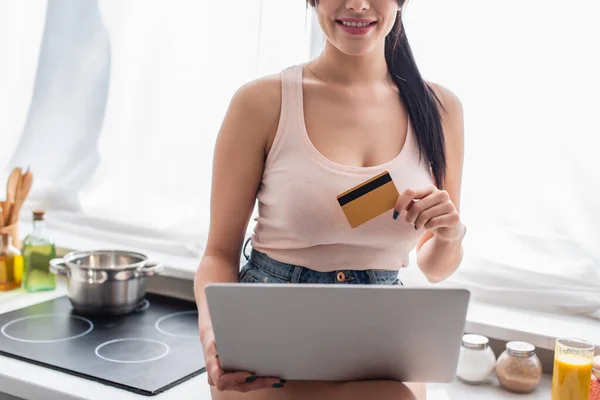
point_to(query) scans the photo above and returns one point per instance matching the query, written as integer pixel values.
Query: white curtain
(116, 106)
(127, 103)
(528, 75)
(21, 32)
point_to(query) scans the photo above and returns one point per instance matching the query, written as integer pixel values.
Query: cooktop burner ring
(172, 315)
(69, 316)
(166, 350)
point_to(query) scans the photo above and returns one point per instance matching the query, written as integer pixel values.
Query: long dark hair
(418, 97)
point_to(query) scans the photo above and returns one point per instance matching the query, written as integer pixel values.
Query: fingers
(238, 381)
(419, 207)
(425, 216)
(213, 367)
(406, 199)
(214, 371)
(222, 381)
(258, 384)
(443, 221)
(229, 380)
(210, 379)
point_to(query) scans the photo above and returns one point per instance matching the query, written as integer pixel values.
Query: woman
(298, 139)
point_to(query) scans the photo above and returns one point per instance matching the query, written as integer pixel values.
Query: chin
(354, 49)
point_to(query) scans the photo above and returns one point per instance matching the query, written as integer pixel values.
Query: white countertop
(29, 381)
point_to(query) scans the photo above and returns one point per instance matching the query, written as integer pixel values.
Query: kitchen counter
(29, 381)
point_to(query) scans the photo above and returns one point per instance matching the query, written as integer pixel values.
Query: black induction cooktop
(145, 352)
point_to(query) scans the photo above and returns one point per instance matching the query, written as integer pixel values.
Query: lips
(355, 26)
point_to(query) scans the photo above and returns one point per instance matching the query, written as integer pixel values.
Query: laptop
(338, 333)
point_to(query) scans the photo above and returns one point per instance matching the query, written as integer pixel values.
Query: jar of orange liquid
(572, 369)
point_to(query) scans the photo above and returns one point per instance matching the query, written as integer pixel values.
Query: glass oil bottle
(11, 264)
(38, 249)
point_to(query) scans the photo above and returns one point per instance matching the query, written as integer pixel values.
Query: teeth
(356, 24)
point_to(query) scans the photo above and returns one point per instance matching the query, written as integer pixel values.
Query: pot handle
(58, 267)
(150, 269)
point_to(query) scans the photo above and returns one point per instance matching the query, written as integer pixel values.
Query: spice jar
(476, 361)
(518, 368)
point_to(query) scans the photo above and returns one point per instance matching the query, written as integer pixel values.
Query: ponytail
(419, 99)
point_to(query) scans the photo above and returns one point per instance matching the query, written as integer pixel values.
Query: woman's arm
(439, 258)
(242, 144)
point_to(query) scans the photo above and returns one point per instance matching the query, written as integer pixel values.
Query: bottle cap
(520, 349)
(472, 341)
(38, 215)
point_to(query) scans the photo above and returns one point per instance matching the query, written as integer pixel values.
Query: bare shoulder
(448, 98)
(453, 116)
(454, 135)
(262, 94)
(257, 106)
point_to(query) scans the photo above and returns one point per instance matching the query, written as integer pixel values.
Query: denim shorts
(260, 268)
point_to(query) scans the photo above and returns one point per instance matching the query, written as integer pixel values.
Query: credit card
(369, 199)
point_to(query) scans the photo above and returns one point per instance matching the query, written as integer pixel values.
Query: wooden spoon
(12, 184)
(6, 209)
(22, 191)
(1, 217)
(25, 184)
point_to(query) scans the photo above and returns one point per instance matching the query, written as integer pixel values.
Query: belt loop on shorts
(372, 277)
(296, 274)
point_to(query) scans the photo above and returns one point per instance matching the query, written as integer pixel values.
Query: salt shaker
(476, 361)
(518, 368)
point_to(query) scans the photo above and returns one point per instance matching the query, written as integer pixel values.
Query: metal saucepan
(105, 281)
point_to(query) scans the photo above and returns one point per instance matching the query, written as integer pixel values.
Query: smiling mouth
(350, 24)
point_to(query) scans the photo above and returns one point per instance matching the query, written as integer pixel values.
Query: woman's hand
(236, 381)
(430, 209)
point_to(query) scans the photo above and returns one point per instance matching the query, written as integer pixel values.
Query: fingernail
(251, 378)
(279, 384)
(396, 213)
